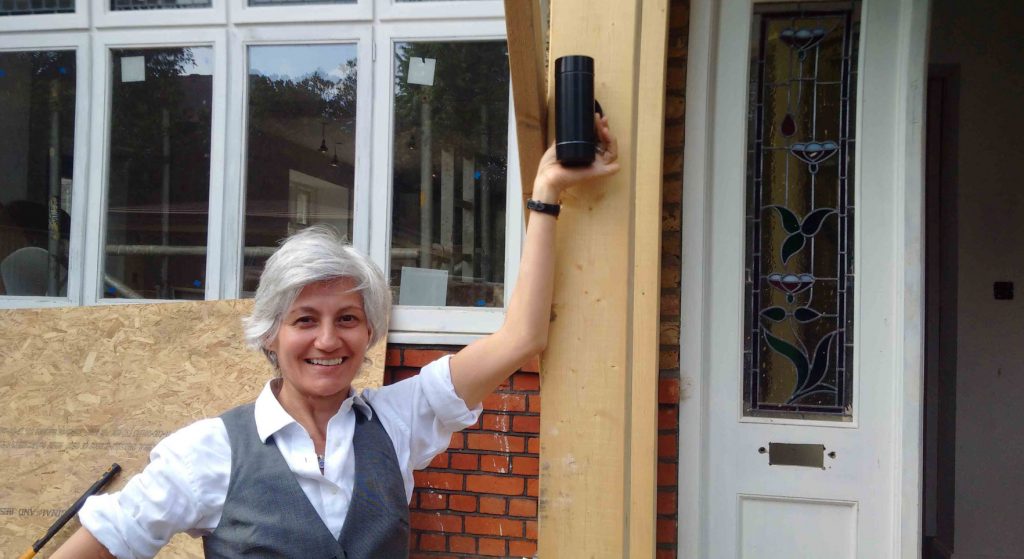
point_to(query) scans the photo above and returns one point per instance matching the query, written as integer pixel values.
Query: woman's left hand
(553, 178)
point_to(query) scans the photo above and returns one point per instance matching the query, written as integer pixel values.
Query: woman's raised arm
(481, 366)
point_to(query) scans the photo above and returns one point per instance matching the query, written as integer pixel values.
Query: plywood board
(81, 388)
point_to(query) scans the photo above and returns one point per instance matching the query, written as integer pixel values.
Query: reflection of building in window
(450, 157)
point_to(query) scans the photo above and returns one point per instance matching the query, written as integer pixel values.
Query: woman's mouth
(326, 362)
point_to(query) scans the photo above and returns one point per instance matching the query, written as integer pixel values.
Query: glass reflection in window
(37, 121)
(118, 5)
(300, 163)
(450, 156)
(159, 177)
(35, 7)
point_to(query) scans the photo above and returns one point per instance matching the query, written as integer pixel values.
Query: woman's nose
(328, 337)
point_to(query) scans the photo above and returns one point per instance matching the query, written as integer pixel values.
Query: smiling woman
(319, 306)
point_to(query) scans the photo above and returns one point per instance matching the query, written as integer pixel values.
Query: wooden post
(599, 374)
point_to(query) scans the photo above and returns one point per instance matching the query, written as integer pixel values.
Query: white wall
(986, 39)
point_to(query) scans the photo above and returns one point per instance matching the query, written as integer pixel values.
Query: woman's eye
(304, 320)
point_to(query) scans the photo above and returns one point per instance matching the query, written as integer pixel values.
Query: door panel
(849, 506)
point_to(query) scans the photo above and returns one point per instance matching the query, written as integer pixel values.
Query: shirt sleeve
(421, 413)
(181, 490)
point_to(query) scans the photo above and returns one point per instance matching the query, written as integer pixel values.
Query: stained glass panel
(799, 214)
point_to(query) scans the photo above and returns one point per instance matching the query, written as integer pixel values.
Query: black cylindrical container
(574, 110)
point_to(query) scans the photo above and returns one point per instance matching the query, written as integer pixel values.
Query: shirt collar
(271, 417)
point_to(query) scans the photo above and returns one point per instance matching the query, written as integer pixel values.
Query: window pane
(450, 155)
(159, 177)
(25, 7)
(288, 2)
(300, 165)
(157, 4)
(37, 121)
(799, 255)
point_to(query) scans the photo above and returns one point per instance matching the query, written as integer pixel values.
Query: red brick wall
(480, 498)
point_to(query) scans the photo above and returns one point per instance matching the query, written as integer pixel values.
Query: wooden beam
(526, 47)
(599, 374)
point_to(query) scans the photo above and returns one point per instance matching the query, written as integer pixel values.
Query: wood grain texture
(526, 47)
(598, 376)
(81, 388)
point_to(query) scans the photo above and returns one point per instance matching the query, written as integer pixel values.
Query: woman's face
(322, 339)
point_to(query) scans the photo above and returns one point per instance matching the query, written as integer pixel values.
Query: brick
(668, 358)
(522, 548)
(533, 445)
(522, 507)
(488, 546)
(494, 463)
(431, 542)
(393, 357)
(421, 357)
(494, 484)
(462, 503)
(531, 529)
(534, 406)
(440, 461)
(671, 217)
(668, 417)
(465, 461)
(435, 522)
(668, 473)
(666, 530)
(531, 366)
(668, 446)
(494, 442)
(401, 373)
(505, 402)
(670, 303)
(457, 442)
(495, 422)
(438, 480)
(526, 424)
(669, 332)
(667, 503)
(664, 553)
(526, 382)
(668, 390)
(492, 526)
(433, 501)
(525, 465)
(532, 487)
(462, 544)
(492, 505)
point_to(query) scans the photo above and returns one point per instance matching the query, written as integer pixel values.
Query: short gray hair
(312, 255)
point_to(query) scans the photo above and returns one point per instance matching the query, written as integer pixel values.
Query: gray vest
(267, 515)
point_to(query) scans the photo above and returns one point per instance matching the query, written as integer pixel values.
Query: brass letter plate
(788, 454)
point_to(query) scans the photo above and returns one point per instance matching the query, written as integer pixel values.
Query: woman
(319, 307)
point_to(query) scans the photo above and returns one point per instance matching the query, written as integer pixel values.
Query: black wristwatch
(537, 206)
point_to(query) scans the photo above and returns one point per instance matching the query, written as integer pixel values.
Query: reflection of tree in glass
(468, 77)
(316, 95)
(137, 119)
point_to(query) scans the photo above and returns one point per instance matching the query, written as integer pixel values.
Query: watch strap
(544, 208)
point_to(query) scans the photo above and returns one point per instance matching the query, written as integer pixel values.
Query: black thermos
(574, 110)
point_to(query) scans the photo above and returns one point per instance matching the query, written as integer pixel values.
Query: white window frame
(394, 10)
(95, 245)
(78, 42)
(242, 12)
(434, 324)
(229, 27)
(234, 215)
(78, 19)
(104, 17)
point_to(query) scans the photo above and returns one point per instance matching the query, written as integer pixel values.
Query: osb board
(81, 388)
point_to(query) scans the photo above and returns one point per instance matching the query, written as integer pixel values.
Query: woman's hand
(553, 178)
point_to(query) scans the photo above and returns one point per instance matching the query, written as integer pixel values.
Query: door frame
(695, 341)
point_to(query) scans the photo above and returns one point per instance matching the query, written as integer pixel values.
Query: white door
(801, 367)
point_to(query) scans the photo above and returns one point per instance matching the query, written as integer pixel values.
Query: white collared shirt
(184, 486)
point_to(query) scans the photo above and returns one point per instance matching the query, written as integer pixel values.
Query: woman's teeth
(326, 362)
